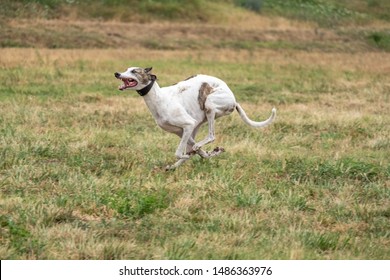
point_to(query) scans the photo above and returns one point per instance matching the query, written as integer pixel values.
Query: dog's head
(135, 78)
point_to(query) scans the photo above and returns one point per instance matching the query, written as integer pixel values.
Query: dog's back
(196, 91)
(194, 83)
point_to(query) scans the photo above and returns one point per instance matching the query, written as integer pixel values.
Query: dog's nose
(117, 75)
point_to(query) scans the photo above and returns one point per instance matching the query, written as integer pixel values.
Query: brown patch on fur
(143, 77)
(182, 89)
(204, 90)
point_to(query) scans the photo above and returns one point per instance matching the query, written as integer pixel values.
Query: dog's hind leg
(210, 115)
(191, 143)
(200, 152)
(203, 154)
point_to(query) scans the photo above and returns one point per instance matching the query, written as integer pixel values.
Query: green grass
(312, 25)
(329, 13)
(324, 12)
(380, 40)
(124, 10)
(81, 164)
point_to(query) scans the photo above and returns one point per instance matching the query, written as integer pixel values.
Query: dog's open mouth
(128, 83)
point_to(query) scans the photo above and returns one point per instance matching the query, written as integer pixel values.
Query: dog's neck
(146, 89)
(154, 98)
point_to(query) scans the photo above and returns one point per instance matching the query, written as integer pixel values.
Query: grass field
(81, 164)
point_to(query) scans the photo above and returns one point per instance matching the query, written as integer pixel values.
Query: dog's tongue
(132, 83)
(127, 83)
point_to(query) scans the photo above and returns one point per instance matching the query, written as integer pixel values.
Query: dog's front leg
(181, 149)
(176, 164)
(186, 135)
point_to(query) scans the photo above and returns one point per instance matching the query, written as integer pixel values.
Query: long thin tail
(248, 121)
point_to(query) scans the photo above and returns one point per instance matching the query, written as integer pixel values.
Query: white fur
(176, 109)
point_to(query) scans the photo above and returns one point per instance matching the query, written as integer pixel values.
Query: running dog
(182, 108)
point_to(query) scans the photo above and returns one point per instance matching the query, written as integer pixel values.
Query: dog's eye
(133, 71)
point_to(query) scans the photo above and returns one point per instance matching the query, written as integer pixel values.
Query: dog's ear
(147, 70)
(153, 77)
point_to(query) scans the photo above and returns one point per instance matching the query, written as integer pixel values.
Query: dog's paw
(183, 156)
(196, 147)
(170, 167)
(219, 150)
(216, 151)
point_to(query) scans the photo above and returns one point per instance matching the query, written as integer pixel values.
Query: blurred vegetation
(123, 10)
(380, 39)
(324, 12)
(254, 5)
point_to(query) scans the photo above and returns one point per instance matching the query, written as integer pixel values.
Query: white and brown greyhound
(182, 108)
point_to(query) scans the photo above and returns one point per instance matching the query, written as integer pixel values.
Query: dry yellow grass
(80, 173)
(370, 62)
